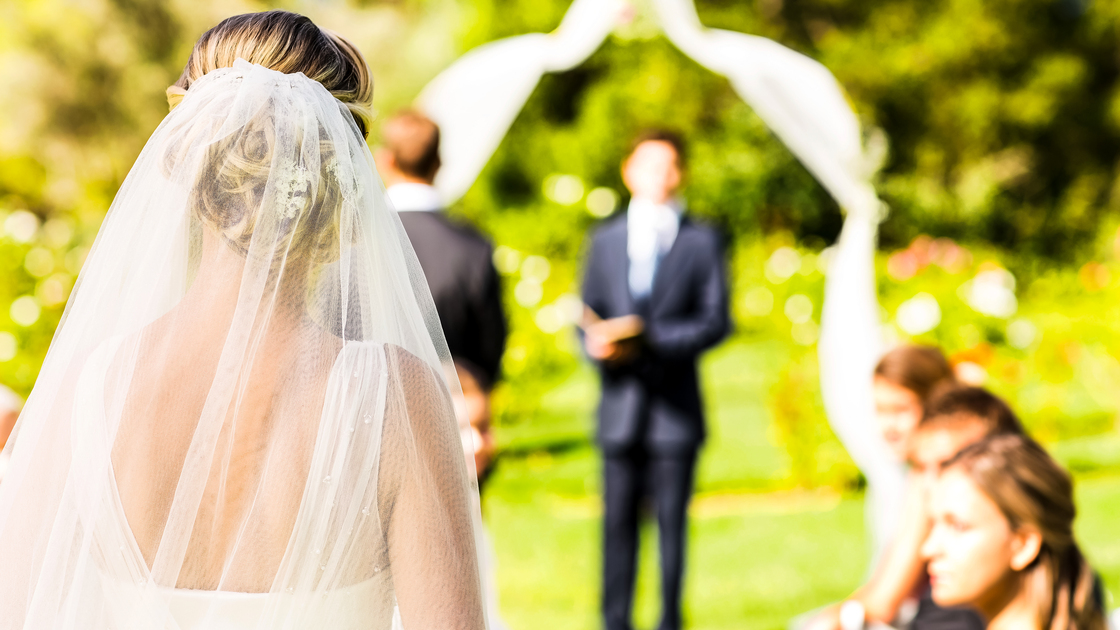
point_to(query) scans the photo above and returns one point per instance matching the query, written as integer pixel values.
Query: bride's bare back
(261, 459)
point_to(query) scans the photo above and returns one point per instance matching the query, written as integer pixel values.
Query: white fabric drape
(850, 345)
(797, 98)
(476, 99)
(245, 418)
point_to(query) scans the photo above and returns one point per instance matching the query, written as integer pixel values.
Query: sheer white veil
(249, 392)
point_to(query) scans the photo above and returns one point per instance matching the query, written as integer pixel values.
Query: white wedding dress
(245, 420)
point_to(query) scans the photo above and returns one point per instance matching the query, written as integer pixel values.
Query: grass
(759, 552)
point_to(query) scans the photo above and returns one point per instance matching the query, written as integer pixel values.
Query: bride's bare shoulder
(405, 360)
(398, 360)
(415, 385)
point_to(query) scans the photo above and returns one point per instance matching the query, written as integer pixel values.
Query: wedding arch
(476, 99)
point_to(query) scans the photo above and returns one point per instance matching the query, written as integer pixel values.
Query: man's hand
(618, 328)
(618, 352)
(598, 347)
(616, 340)
(475, 409)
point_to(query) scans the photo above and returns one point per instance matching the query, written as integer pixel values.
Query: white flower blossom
(991, 292)
(351, 186)
(293, 188)
(920, 314)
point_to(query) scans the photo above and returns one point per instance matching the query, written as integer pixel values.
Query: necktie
(651, 230)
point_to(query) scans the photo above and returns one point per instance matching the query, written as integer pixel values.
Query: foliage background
(1002, 117)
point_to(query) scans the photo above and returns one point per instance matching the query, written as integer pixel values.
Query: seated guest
(905, 378)
(904, 381)
(1002, 540)
(952, 420)
(956, 418)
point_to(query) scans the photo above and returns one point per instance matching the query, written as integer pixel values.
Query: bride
(245, 418)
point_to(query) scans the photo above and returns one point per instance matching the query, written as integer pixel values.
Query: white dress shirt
(414, 197)
(651, 229)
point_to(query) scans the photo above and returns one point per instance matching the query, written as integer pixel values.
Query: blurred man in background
(457, 262)
(458, 265)
(656, 298)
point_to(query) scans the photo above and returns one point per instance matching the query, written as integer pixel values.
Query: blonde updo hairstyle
(230, 184)
(286, 42)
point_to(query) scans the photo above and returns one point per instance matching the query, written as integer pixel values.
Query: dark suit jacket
(458, 265)
(655, 400)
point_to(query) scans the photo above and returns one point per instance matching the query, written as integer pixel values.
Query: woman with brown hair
(905, 379)
(1002, 540)
(245, 419)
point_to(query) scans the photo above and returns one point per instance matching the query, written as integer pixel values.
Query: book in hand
(614, 329)
(615, 341)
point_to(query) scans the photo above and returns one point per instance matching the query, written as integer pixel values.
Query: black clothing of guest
(651, 419)
(458, 264)
(933, 617)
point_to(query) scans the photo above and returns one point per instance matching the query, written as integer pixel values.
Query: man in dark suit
(656, 297)
(457, 262)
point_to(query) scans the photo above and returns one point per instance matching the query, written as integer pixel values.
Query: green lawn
(759, 552)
